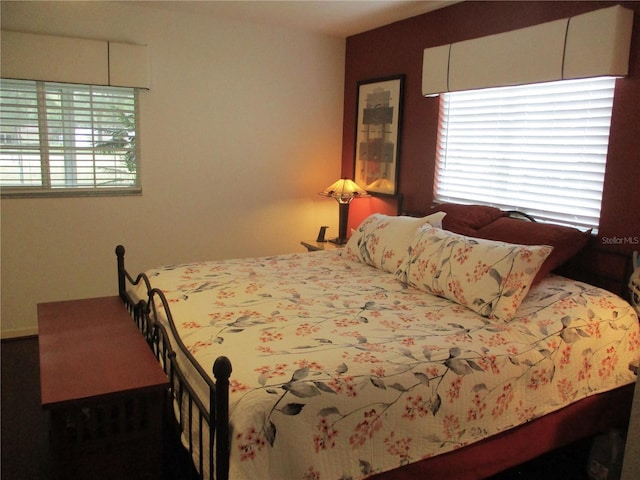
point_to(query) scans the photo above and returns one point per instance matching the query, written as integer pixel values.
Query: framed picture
(377, 134)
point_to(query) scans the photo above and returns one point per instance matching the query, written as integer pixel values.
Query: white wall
(241, 128)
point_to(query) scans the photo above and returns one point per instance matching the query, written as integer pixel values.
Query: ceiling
(339, 18)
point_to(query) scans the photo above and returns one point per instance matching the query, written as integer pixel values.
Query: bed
(417, 351)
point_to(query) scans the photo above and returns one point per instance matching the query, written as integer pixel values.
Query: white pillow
(489, 277)
(382, 241)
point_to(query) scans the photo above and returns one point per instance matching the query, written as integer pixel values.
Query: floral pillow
(382, 241)
(489, 277)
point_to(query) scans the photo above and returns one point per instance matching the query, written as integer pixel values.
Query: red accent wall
(397, 49)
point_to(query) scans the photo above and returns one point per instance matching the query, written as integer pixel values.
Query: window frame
(45, 188)
(484, 146)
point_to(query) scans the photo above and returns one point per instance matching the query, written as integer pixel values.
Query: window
(538, 148)
(67, 139)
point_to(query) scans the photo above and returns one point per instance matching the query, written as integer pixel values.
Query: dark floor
(25, 448)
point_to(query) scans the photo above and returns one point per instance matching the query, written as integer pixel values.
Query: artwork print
(377, 134)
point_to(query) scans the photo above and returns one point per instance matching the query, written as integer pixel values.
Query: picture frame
(377, 142)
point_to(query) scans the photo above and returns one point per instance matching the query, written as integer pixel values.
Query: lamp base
(339, 241)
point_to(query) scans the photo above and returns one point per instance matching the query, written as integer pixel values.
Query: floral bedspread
(340, 371)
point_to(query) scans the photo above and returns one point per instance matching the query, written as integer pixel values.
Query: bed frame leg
(222, 372)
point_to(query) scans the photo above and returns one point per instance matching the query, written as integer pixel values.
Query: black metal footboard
(202, 422)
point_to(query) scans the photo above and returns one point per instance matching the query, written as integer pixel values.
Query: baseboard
(22, 332)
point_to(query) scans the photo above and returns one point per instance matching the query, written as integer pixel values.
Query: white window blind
(537, 148)
(64, 138)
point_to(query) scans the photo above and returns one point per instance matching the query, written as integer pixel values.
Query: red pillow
(466, 219)
(566, 241)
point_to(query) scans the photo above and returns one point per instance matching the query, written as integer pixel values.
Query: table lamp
(344, 191)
